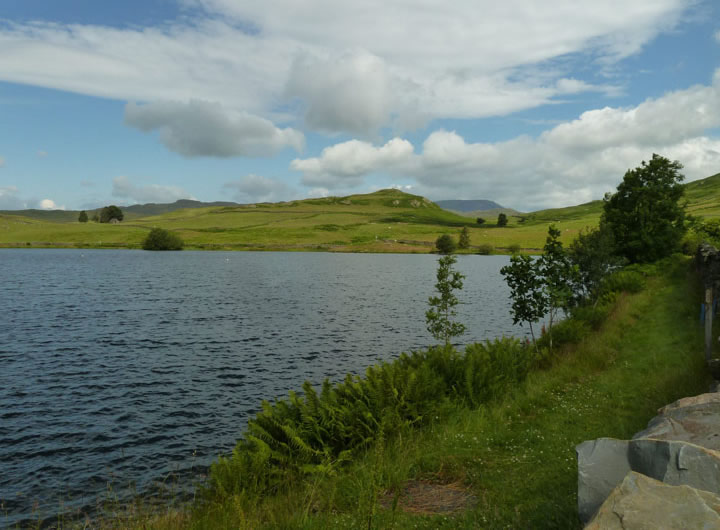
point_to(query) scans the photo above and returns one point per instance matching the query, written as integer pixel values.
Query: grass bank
(507, 463)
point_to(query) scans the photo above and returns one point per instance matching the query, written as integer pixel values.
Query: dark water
(120, 367)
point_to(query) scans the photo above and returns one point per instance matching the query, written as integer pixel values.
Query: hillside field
(384, 221)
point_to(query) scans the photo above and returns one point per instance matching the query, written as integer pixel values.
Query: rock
(676, 463)
(640, 502)
(415, 204)
(345, 202)
(602, 464)
(710, 397)
(695, 420)
(396, 202)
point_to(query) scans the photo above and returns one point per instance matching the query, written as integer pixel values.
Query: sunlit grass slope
(384, 221)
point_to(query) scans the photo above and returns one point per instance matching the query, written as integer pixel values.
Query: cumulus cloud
(200, 128)
(49, 204)
(377, 64)
(346, 163)
(256, 188)
(122, 187)
(571, 163)
(348, 93)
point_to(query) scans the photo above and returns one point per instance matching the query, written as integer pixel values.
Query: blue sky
(530, 104)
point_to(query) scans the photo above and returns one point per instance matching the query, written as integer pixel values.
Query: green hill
(384, 221)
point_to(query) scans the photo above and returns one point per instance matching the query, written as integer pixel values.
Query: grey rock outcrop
(680, 446)
(698, 422)
(640, 502)
(602, 464)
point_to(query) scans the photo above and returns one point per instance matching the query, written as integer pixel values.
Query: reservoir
(122, 369)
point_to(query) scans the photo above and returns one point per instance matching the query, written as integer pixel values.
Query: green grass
(514, 455)
(384, 221)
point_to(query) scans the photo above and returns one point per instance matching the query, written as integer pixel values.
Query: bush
(303, 435)
(630, 281)
(445, 244)
(485, 249)
(569, 331)
(161, 239)
(514, 249)
(83, 217)
(592, 315)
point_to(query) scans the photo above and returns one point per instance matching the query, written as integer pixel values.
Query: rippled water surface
(127, 366)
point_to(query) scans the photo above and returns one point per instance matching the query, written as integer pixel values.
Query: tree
(480, 220)
(502, 219)
(559, 276)
(445, 244)
(161, 239)
(526, 290)
(644, 214)
(464, 241)
(439, 316)
(593, 253)
(83, 217)
(108, 213)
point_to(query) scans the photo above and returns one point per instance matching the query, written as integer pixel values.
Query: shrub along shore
(494, 425)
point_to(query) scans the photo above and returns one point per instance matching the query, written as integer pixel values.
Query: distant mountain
(461, 205)
(151, 208)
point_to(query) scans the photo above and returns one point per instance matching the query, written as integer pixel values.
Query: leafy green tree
(559, 276)
(83, 217)
(480, 220)
(464, 241)
(645, 215)
(161, 239)
(529, 303)
(502, 219)
(96, 217)
(108, 213)
(439, 316)
(445, 244)
(593, 253)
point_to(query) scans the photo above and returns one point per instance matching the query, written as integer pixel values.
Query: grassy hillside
(384, 221)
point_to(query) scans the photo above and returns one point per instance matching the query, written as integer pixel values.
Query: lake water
(120, 367)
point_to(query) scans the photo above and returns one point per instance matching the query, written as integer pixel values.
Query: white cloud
(2, 161)
(571, 163)
(201, 128)
(348, 93)
(377, 63)
(256, 188)
(122, 187)
(49, 204)
(9, 199)
(346, 163)
(42, 154)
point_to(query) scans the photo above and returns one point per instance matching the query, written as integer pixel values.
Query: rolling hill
(384, 221)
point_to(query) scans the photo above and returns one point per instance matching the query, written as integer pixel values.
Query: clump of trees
(502, 219)
(643, 221)
(83, 217)
(108, 213)
(445, 244)
(161, 239)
